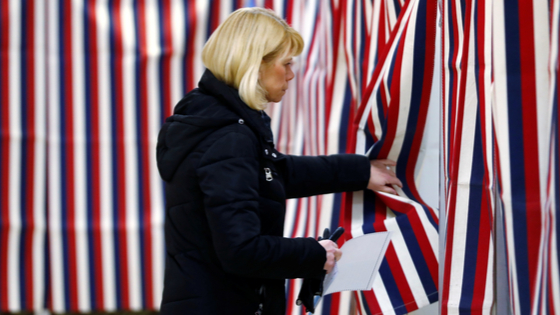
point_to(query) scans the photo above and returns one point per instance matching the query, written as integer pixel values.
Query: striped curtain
(522, 115)
(468, 269)
(390, 124)
(500, 62)
(86, 84)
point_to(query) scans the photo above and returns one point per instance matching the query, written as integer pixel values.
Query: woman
(226, 185)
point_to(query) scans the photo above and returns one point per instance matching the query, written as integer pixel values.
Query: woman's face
(274, 77)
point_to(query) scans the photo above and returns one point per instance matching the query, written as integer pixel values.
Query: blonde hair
(248, 39)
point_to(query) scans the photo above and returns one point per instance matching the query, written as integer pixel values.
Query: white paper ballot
(358, 266)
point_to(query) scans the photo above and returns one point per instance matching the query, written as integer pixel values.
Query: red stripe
(69, 152)
(269, 4)
(30, 158)
(366, 57)
(289, 11)
(215, 12)
(372, 303)
(530, 140)
(5, 147)
(121, 167)
(482, 258)
(145, 151)
(95, 159)
(191, 39)
(290, 302)
(335, 303)
(167, 52)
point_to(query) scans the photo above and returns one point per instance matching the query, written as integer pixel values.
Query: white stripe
(344, 302)
(79, 142)
(541, 35)
(130, 155)
(39, 185)
(202, 12)
(290, 217)
(54, 171)
(327, 205)
(226, 7)
(105, 159)
(15, 143)
(382, 296)
(339, 90)
(375, 32)
(357, 214)
(279, 7)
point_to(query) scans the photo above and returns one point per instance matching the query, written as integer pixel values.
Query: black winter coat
(225, 189)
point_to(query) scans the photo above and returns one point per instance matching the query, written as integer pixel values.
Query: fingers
(332, 252)
(382, 177)
(388, 162)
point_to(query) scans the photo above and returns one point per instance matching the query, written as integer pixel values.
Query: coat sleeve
(314, 175)
(228, 177)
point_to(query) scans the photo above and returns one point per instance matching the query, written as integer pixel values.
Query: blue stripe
(476, 189)
(556, 161)
(118, 266)
(369, 211)
(139, 169)
(211, 8)
(517, 160)
(26, 55)
(398, 8)
(392, 288)
(93, 281)
(161, 60)
(63, 158)
(365, 304)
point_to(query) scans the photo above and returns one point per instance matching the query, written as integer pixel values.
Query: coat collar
(256, 120)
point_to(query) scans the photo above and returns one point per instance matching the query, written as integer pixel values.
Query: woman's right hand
(333, 254)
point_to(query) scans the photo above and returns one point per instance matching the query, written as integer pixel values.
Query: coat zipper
(268, 174)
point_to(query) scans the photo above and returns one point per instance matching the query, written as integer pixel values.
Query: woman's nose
(290, 75)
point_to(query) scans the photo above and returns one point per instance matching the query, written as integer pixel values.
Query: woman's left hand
(382, 177)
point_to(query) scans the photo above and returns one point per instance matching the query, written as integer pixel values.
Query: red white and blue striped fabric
(468, 269)
(23, 138)
(522, 112)
(398, 96)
